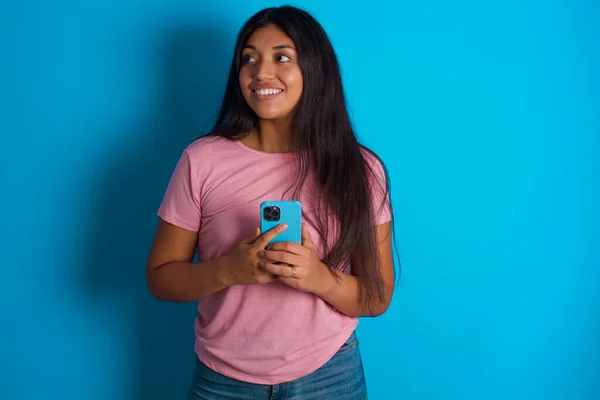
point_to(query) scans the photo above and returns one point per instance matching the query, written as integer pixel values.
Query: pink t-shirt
(269, 333)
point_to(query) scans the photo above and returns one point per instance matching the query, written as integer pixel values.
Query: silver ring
(293, 272)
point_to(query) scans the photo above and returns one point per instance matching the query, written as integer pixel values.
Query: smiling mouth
(267, 93)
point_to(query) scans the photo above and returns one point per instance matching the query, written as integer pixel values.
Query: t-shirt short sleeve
(181, 203)
(380, 199)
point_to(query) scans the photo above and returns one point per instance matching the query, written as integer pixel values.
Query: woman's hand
(242, 263)
(301, 268)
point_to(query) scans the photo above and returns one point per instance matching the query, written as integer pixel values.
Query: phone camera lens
(275, 213)
(267, 213)
(271, 213)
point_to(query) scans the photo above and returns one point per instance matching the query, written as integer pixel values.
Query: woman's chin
(272, 115)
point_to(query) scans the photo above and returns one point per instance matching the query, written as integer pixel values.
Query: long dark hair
(320, 124)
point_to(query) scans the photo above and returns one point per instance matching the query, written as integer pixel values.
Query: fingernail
(261, 253)
(283, 226)
(261, 264)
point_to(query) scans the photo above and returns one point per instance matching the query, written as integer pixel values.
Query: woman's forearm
(342, 292)
(181, 281)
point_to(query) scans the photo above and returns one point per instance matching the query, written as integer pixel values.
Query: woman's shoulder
(206, 142)
(372, 159)
(209, 145)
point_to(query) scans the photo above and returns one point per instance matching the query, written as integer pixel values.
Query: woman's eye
(282, 58)
(246, 59)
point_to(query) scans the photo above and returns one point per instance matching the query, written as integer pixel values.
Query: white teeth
(266, 92)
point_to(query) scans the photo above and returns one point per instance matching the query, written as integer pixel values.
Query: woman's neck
(270, 137)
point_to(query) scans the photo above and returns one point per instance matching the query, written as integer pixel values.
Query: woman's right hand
(242, 262)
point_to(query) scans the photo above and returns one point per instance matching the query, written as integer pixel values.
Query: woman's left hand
(301, 268)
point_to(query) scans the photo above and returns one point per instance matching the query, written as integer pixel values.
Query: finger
(278, 270)
(266, 278)
(280, 256)
(293, 282)
(251, 238)
(306, 239)
(288, 247)
(264, 240)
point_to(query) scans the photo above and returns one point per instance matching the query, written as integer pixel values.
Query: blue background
(486, 113)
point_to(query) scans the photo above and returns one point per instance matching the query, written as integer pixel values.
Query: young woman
(277, 321)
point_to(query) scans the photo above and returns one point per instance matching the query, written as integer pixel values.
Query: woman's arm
(172, 276)
(170, 273)
(302, 269)
(342, 291)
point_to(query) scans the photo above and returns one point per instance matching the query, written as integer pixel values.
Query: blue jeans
(342, 377)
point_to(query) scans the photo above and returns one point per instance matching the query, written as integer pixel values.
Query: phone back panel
(273, 213)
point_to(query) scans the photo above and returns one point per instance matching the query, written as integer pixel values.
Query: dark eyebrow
(279, 47)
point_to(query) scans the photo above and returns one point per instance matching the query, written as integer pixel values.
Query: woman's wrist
(224, 273)
(328, 282)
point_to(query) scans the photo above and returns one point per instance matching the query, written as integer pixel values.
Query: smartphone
(273, 213)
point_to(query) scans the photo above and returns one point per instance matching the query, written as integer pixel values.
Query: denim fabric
(341, 378)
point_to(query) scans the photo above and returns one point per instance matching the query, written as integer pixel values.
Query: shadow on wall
(157, 336)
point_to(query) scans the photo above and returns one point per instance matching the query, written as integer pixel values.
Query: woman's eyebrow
(278, 47)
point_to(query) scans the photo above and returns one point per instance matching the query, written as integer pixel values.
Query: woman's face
(270, 77)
